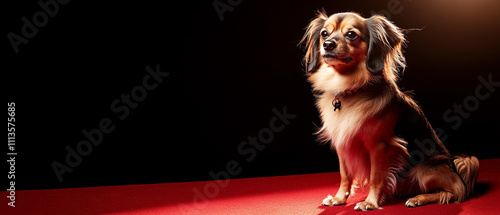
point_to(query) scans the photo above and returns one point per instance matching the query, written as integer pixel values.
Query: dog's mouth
(334, 59)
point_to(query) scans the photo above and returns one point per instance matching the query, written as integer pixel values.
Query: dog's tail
(468, 170)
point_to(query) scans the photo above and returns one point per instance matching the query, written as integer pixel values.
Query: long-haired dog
(381, 135)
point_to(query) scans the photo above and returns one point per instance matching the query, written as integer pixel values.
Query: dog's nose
(329, 45)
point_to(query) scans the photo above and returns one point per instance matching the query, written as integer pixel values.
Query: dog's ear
(311, 41)
(385, 39)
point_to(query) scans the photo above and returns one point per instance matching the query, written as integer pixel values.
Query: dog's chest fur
(362, 117)
(364, 121)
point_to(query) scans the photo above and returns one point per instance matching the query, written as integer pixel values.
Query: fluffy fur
(358, 61)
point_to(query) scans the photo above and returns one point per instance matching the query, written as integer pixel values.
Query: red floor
(298, 194)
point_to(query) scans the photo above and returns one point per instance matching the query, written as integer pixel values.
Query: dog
(353, 64)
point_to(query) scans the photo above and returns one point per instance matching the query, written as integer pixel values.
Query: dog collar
(336, 101)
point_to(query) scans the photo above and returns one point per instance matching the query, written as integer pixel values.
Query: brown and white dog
(353, 64)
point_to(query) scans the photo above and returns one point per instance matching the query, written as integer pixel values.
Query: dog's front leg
(345, 186)
(378, 172)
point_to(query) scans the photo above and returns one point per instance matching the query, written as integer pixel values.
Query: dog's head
(348, 42)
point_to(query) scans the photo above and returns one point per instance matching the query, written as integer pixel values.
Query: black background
(225, 79)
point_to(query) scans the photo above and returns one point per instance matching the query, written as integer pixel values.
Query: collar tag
(348, 92)
(336, 103)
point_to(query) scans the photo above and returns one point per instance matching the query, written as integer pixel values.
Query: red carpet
(298, 194)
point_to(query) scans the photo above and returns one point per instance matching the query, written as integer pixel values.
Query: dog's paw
(366, 206)
(414, 202)
(332, 201)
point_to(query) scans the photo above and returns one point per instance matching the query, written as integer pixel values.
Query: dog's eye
(351, 35)
(324, 33)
